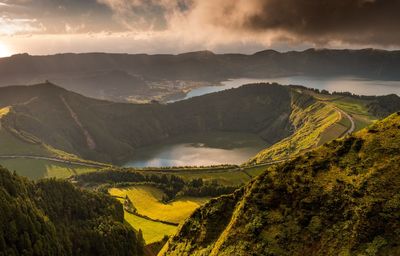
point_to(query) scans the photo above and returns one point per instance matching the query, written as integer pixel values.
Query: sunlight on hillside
(4, 111)
(148, 202)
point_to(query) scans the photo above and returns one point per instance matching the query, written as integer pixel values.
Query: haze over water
(354, 85)
(214, 148)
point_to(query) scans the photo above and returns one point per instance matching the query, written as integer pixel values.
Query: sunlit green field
(38, 169)
(153, 231)
(148, 201)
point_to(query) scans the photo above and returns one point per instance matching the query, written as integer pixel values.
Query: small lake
(340, 84)
(200, 150)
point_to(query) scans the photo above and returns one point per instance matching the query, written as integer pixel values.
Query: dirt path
(89, 139)
(353, 125)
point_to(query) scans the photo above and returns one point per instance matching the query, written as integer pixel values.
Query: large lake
(340, 84)
(233, 148)
(200, 150)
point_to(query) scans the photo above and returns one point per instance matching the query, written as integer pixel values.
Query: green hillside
(340, 199)
(48, 121)
(327, 117)
(19, 149)
(110, 132)
(54, 218)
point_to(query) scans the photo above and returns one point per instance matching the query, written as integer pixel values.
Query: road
(53, 159)
(353, 125)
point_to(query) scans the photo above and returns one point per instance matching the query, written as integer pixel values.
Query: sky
(43, 27)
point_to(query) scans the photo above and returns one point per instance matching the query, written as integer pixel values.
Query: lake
(340, 84)
(204, 149)
(234, 148)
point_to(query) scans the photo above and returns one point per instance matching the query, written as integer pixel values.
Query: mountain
(111, 132)
(340, 199)
(107, 131)
(121, 76)
(55, 218)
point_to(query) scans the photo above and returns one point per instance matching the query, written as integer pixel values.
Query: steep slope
(106, 131)
(117, 76)
(310, 119)
(340, 199)
(54, 218)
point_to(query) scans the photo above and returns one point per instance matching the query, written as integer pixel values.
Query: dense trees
(172, 185)
(54, 218)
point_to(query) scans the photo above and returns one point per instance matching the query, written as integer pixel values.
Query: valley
(346, 188)
(172, 172)
(167, 128)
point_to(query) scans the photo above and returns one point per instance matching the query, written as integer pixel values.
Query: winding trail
(353, 125)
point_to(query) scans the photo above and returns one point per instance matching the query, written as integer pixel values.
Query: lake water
(234, 148)
(340, 84)
(200, 150)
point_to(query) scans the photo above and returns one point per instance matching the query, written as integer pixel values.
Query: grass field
(10, 145)
(357, 108)
(153, 231)
(37, 169)
(147, 201)
(4, 111)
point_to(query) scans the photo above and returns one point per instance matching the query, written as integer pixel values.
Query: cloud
(315, 21)
(184, 25)
(10, 26)
(145, 14)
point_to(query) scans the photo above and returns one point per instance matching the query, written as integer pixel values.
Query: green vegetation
(148, 201)
(152, 215)
(4, 111)
(311, 119)
(54, 218)
(172, 186)
(153, 231)
(15, 146)
(104, 131)
(38, 169)
(340, 199)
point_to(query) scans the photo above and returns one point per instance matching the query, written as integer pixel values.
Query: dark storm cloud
(352, 21)
(184, 25)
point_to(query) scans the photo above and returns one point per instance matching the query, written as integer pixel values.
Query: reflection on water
(339, 84)
(200, 150)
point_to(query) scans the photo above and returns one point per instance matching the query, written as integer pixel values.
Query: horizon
(201, 51)
(177, 26)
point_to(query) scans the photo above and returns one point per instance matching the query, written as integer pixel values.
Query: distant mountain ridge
(111, 76)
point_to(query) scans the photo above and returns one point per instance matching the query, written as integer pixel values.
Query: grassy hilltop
(340, 199)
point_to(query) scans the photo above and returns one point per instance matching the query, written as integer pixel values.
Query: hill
(121, 76)
(110, 132)
(54, 218)
(340, 199)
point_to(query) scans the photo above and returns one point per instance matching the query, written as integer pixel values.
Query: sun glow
(4, 51)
